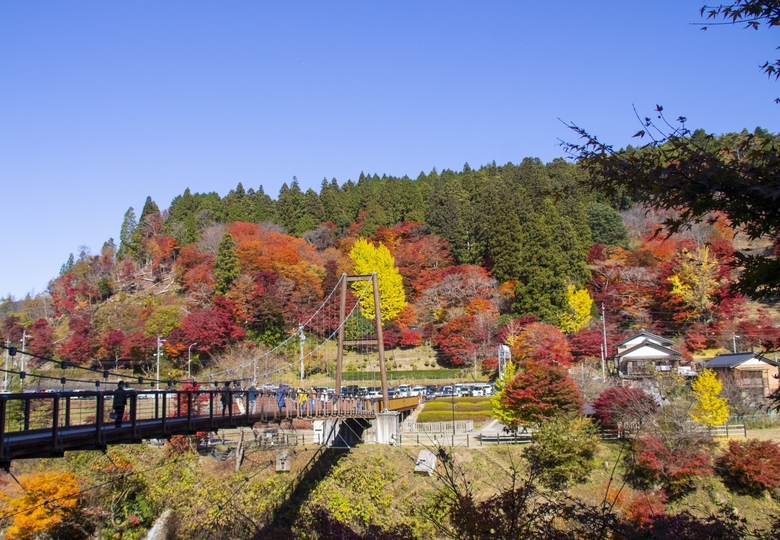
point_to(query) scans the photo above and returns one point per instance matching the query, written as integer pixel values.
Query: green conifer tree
(225, 265)
(237, 205)
(292, 207)
(607, 226)
(129, 241)
(265, 207)
(501, 232)
(150, 207)
(544, 273)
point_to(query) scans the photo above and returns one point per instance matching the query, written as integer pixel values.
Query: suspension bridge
(53, 421)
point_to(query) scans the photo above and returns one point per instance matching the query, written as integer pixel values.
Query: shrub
(562, 451)
(490, 366)
(751, 466)
(620, 406)
(410, 339)
(446, 416)
(645, 507)
(673, 469)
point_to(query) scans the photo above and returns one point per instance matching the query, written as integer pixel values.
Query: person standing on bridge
(251, 394)
(119, 404)
(226, 398)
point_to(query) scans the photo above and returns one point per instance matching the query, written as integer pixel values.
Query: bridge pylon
(379, 342)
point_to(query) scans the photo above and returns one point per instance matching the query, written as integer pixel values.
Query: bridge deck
(48, 424)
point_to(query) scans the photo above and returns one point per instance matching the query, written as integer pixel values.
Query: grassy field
(466, 408)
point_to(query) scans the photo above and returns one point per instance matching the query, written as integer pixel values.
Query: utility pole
(25, 335)
(160, 341)
(22, 362)
(604, 337)
(303, 339)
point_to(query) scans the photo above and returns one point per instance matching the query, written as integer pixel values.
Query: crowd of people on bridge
(310, 402)
(234, 399)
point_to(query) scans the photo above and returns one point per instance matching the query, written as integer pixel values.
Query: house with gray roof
(752, 373)
(643, 355)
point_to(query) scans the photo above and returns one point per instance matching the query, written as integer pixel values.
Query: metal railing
(46, 423)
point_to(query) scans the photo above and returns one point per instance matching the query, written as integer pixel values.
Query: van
(404, 390)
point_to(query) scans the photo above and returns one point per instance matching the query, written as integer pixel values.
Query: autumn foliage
(542, 343)
(540, 391)
(45, 500)
(618, 406)
(752, 465)
(675, 470)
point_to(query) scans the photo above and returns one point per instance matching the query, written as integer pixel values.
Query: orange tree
(45, 501)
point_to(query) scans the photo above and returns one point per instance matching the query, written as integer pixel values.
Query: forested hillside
(516, 254)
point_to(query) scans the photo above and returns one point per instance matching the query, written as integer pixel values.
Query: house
(755, 376)
(643, 355)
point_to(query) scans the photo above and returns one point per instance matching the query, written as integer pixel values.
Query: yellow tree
(368, 259)
(709, 410)
(578, 314)
(45, 501)
(501, 412)
(695, 281)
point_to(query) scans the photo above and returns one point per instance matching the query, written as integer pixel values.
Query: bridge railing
(51, 410)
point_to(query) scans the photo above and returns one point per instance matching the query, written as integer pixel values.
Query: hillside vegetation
(513, 254)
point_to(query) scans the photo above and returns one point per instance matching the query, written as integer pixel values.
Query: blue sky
(104, 103)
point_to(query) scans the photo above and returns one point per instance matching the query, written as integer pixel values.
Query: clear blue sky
(103, 103)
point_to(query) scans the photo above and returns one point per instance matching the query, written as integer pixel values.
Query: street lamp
(189, 358)
(160, 341)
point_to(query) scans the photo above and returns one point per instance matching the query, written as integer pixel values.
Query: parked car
(418, 390)
(404, 390)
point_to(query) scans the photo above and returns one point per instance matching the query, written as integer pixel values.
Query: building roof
(660, 348)
(647, 335)
(733, 360)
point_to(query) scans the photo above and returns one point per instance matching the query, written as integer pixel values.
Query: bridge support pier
(388, 426)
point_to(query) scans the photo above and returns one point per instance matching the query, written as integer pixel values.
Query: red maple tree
(541, 391)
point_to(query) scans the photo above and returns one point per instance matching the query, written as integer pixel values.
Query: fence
(756, 421)
(461, 426)
(733, 430)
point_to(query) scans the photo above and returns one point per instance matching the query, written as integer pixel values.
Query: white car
(404, 390)
(418, 390)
